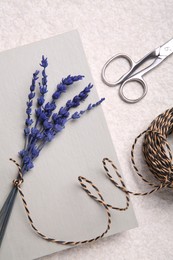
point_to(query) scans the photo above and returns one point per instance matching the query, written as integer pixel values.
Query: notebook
(58, 205)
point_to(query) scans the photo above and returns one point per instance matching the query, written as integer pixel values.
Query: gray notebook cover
(59, 207)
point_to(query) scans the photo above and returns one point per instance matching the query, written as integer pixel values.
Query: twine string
(84, 182)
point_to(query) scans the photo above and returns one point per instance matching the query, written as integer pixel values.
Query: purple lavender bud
(61, 87)
(29, 166)
(34, 131)
(44, 80)
(75, 104)
(29, 104)
(63, 111)
(22, 153)
(88, 88)
(32, 88)
(36, 74)
(28, 111)
(34, 152)
(83, 96)
(49, 106)
(68, 80)
(89, 107)
(52, 106)
(34, 78)
(69, 104)
(43, 90)
(26, 159)
(26, 131)
(62, 121)
(49, 136)
(76, 115)
(38, 112)
(44, 73)
(40, 100)
(55, 117)
(47, 125)
(28, 121)
(43, 116)
(40, 136)
(57, 128)
(56, 95)
(79, 77)
(82, 112)
(76, 99)
(100, 101)
(31, 95)
(44, 62)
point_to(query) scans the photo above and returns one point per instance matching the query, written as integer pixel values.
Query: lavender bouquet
(44, 126)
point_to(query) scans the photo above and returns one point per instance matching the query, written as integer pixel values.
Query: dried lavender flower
(48, 123)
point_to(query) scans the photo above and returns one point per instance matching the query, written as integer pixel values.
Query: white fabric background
(108, 27)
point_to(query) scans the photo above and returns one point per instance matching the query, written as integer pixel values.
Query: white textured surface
(134, 27)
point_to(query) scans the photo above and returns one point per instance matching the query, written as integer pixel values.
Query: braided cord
(83, 182)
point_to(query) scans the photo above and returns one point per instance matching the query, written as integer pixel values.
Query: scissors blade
(159, 55)
(166, 49)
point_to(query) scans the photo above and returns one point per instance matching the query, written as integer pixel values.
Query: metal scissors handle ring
(120, 55)
(141, 82)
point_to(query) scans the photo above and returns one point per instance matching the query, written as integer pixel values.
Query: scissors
(159, 55)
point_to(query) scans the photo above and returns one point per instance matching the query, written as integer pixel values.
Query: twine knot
(17, 182)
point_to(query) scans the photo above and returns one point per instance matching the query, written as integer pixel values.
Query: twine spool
(156, 149)
(157, 152)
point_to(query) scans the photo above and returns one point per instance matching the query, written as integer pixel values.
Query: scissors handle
(127, 77)
(138, 79)
(106, 65)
